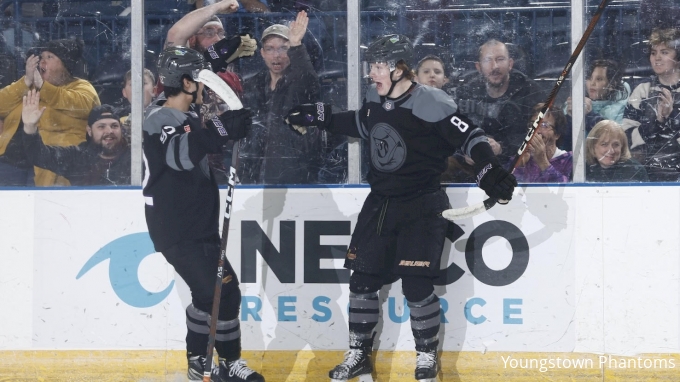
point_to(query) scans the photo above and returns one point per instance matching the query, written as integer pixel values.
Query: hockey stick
(469, 211)
(216, 84)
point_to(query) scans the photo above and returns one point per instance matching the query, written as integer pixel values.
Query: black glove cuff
(482, 154)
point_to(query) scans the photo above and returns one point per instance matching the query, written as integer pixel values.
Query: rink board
(579, 271)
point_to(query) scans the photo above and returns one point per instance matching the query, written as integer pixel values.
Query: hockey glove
(496, 182)
(225, 51)
(232, 124)
(309, 115)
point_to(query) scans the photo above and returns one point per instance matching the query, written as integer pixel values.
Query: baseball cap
(214, 22)
(275, 30)
(102, 112)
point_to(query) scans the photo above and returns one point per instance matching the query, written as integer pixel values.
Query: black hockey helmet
(390, 49)
(176, 61)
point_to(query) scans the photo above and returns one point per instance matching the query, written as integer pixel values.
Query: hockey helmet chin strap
(194, 94)
(393, 67)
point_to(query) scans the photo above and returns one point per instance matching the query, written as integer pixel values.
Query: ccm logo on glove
(483, 172)
(219, 126)
(319, 111)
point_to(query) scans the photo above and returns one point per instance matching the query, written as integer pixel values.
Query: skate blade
(428, 380)
(361, 378)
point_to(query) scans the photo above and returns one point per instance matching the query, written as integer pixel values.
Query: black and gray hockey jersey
(180, 192)
(410, 138)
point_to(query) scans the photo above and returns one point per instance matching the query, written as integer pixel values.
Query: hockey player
(411, 130)
(182, 207)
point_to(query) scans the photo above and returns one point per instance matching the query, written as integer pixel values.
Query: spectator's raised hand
(298, 28)
(31, 70)
(226, 6)
(587, 105)
(37, 79)
(31, 111)
(664, 105)
(538, 152)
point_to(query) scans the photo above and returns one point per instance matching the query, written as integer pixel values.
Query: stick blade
(454, 214)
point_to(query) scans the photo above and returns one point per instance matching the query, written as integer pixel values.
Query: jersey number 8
(462, 126)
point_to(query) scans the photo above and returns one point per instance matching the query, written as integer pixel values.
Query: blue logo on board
(126, 254)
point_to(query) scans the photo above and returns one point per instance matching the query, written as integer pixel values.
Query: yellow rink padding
(293, 366)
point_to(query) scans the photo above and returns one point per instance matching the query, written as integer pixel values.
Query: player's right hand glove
(497, 182)
(225, 51)
(232, 124)
(300, 117)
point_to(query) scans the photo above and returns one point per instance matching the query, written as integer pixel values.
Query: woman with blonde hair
(608, 157)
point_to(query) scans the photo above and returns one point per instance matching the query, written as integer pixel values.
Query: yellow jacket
(62, 124)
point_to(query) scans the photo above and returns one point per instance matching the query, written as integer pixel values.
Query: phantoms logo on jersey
(388, 150)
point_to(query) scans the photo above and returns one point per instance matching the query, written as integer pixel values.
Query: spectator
(499, 99)
(607, 94)
(68, 101)
(148, 91)
(651, 119)
(274, 154)
(608, 157)
(204, 32)
(103, 159)
(430, 71)
(543, 161)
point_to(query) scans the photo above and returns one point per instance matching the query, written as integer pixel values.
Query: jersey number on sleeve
(167, 130)
(462, 126)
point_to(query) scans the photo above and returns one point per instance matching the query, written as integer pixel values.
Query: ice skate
(357, 363)
(196, 368)
(427, 366)
(237, 371)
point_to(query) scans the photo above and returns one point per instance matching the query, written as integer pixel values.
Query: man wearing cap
(103, 159)
(203, 31)
(274, 154)
(67, 101)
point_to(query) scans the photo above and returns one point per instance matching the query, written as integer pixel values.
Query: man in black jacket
(103, 159)
(272, 153)
(499, 99)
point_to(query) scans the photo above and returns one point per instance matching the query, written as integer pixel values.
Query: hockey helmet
(390, 49)
(175, 62)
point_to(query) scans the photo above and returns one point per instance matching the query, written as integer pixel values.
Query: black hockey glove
(496, 182)
(309, 115)
(232, 124)
(225, 51)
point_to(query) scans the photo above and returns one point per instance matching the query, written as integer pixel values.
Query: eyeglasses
(210, 33)
(498, 60)
(545, 125)
(279, 50)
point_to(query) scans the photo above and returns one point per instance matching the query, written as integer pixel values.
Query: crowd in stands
(56, 131)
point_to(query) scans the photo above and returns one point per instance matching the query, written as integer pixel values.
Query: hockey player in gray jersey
(182, 208)
(411, 130)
